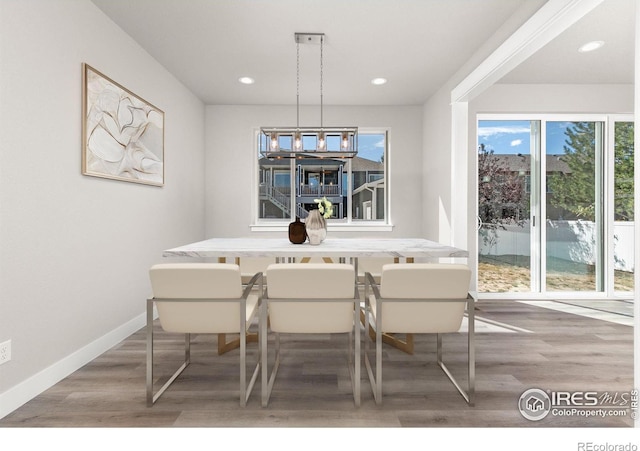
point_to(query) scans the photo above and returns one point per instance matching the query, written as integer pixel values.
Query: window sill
(353, 227)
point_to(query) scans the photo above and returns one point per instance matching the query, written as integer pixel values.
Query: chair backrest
(304, 281)
(197, 281)
(423, 281)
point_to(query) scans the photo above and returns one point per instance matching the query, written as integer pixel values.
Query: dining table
(341, 249)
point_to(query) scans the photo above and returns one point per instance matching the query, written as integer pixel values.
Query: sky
(370, 146)
(513, 137)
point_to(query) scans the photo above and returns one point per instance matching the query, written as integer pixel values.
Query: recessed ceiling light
(590, 46)
(378, 81)
(246, 80)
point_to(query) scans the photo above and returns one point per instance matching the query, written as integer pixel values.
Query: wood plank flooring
(562, 352)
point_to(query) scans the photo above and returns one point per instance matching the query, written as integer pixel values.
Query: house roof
(518, 163)
(362, 164)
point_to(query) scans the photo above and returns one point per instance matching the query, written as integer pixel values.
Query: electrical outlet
(5, 352)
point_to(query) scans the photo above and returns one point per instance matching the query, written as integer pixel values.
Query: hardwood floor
(562, 351)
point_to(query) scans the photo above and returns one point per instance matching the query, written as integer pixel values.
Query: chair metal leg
(187, 348)
(149, 353)
(269, 379)
(263, 353)
(374, 379)
(354, 360)
(358, 362)
(378, 395)
(151, 398)
(254, 376)
(353, 354)
(245, 390)
(471, 349)
(243, 357)
(469, 395)
(464, 394)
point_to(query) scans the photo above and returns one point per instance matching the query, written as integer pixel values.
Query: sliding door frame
(605, 165)
(611, 202)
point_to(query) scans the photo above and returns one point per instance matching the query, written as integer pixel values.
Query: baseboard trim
(25, 391)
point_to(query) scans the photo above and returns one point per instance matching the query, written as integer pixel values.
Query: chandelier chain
(298, 84)
(321, 80)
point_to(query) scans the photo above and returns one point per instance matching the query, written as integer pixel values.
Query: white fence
(567, 240)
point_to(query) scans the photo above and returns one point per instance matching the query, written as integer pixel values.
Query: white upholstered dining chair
(201, 298)
(310, 298)
(419, 298)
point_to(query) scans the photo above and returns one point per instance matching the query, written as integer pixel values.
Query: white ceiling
(559, 61)
(416, 44)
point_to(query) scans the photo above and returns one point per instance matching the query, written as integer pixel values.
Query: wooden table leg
(308, 259)
(405, 345)
(226, 346)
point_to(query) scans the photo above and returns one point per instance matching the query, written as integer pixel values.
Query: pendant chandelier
(309, 142)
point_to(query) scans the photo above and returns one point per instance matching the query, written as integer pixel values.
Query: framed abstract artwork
(122, 134)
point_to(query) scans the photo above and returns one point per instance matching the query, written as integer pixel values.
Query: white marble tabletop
(330, 247)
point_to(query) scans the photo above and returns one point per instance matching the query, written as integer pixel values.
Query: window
(356, 186)
(281, 179)
(369, 178)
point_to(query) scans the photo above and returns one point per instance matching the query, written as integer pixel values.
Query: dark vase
(297, 232)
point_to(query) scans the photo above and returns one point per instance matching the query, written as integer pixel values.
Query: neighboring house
(368, 189)
(317, 178)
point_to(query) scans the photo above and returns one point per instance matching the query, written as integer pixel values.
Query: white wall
(443, 182)
(436, 195)
(75, 250)
(231, 150)
(556, 98)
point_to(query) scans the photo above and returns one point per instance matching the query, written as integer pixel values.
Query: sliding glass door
(573, 205)
(555, 205)
(623, 214)
(504, 205)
